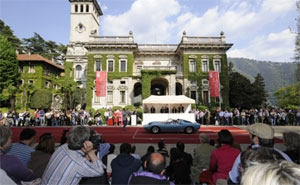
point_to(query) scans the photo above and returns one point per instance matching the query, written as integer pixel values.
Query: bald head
(155, 163)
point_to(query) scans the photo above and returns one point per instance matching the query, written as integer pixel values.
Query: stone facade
(135, 71)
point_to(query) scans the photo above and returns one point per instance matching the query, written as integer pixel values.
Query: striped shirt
(21, 151)
(69, 166)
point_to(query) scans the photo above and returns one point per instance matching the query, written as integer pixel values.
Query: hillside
(276, 74)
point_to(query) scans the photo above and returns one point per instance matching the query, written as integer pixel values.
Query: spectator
(41, 156)
(261, 135)
(202, 155)
(154, 166)
(108, 158)
(74, 160)
(279, 173)
(13, 166)
(292, 142)
(133, 148)
(162, 148)
(145, 157)
(178, 171)
(186, 156)
(124, 165)
(23, 149)
(222, 159)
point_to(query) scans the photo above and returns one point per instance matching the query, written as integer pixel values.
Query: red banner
(101, 79)
(214, 84)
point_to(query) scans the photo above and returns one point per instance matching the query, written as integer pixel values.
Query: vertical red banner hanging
(101, 79)
(214, 84)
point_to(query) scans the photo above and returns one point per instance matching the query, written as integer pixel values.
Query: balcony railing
(112, 39)
(203, 40)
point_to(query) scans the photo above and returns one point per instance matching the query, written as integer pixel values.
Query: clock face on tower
(80, 28)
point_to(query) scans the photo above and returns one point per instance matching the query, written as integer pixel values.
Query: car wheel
(155, 130)
(189, 130)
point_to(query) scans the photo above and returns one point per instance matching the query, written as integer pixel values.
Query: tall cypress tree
(9, 75)
(259, 93)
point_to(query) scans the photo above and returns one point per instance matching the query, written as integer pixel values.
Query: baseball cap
(261, 130)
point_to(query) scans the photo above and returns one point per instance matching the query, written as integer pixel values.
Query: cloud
(148, 19)
(278, 47)
(163, 21)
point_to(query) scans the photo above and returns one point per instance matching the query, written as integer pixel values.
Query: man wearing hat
(261, 135)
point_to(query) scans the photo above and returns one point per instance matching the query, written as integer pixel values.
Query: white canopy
(168, 100)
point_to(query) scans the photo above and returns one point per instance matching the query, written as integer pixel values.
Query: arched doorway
(178, 88)
(137, 89)
(159, 87)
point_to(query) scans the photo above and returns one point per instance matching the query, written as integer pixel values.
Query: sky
(259, 29)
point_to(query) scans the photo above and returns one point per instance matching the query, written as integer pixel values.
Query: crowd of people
(273, 117)
(83, 157)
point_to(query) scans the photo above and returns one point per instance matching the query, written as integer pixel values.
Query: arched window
(87, 8)
(76, 8)
(78, 73)
(81, 8)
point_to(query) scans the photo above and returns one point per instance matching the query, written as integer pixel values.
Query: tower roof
(95, 2)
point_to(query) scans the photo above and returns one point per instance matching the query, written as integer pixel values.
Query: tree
(9, 65)
(289, 97)
(41, 99)
(259, 93)
(48, 49)
(297, 43)
(240, 91)
(8, 33)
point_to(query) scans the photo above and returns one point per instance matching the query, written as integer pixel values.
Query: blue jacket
(122, 167)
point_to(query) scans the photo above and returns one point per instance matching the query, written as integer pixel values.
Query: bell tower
(84, 21)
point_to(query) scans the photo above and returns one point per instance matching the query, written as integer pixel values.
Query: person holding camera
(74, 160)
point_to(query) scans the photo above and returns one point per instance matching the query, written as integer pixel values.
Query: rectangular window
(122, 82)
(87, 8)
(110, 82)
(192, 66)
(98, 66)
(139, 68)
(76, 8)
(47, 84)
(81, 8)
(21, 69)
(31, 69)
(217, 65)
(96, 98)
(123, 65)
(205, 98)
(110, 66)
(122, 95)
(109, 96)
(193, 95)
(204, 65)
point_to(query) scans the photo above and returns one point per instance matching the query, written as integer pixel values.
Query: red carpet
(139, 135)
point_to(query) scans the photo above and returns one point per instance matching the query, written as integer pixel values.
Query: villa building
(136, 71)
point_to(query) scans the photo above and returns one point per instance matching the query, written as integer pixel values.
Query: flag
(214, 84)
(101, 79)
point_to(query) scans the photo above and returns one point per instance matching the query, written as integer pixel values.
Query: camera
(96, 139)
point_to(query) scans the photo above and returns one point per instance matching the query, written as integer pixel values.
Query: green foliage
(275, 74)
(259, 95)
(130, 107)
(114, 108)
(202, 107)
(78, 96)
(9, 75)
(289, 97)
(41, 99)
(91, 74)
(240, 91)
(48, 49)
(198, 76)
(8, 33)
(148, 76)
